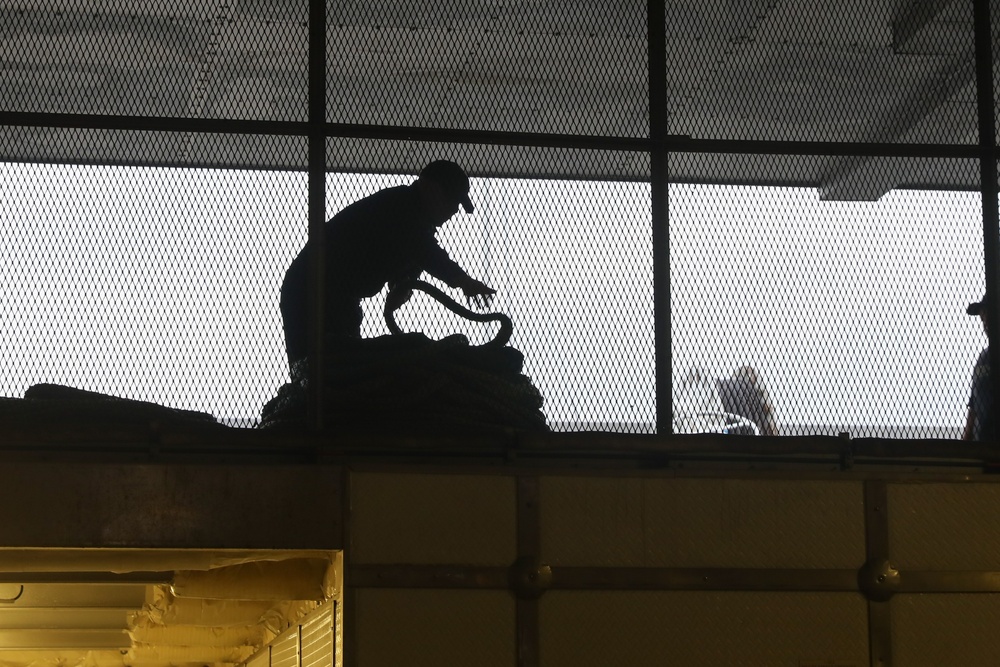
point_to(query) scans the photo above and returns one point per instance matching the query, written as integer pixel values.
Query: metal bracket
(529, 578)
(878, 580)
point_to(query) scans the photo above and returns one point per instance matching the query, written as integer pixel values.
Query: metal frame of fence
(658, 145)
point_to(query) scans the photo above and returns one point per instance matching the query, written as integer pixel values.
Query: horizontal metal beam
(673, 143)
(703, 579)
(161, 124)
(868, 178)
(95, 578)
(456, 576)
(168, 506)
(427, 576)
(607, 578)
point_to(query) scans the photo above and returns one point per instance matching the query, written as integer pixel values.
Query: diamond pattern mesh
(559, 253)
(149, 283)
(753, 70)
(812, 286)
(566, 67)
(169, 58)
(849, 316)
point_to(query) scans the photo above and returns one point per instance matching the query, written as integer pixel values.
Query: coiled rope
(499, 340)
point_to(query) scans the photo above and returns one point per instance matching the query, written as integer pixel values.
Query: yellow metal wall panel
(310, 642)
(945, 629)
(259, 659)
(431, 628)
(636, 522)
(433, 519)
(659, 628)
(317, 637)
(285, 651)
(947, 526)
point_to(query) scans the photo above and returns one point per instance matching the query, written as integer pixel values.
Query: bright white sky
(162, 285)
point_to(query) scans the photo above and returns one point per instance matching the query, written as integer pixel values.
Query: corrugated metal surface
(425, 519)
(308, 643)
(584, 628)
(944, 526)
(260, 659)
(138, 613)
(431, 628)
(317, 635)
(943, 629)
(285, 651)
(631, 522)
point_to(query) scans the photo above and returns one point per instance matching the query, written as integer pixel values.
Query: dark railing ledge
(74, 435)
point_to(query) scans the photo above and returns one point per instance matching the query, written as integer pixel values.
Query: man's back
(372, 241)
(981, 400)
(376, 239)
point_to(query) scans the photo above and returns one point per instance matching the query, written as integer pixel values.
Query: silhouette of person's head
(979, 308)
(444, 186)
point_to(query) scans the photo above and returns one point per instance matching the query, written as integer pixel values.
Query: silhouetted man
(979, 422)
(387, 237)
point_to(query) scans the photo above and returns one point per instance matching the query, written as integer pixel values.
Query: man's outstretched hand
(478, 294)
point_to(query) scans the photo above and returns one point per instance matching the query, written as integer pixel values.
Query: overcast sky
(163, 285)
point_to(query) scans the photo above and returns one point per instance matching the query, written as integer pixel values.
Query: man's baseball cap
(976, 307)
(452, 179)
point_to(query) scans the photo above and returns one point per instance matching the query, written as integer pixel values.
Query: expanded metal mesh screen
(823, 231)
(849, 315)
(563, 256)
(568, 68)
(889, 71)
(157, 58)
(149, 283)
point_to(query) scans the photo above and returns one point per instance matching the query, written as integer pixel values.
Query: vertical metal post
(876, 495)
(529, 547)
(985, 96)
(336, 635)
(656, 32)
(348, 612)
(298, 648)
(317, 207)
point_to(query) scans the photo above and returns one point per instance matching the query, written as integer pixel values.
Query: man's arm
(444, 268)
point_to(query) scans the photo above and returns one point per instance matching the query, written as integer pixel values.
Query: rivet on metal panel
(529, 578)
(878, 580)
